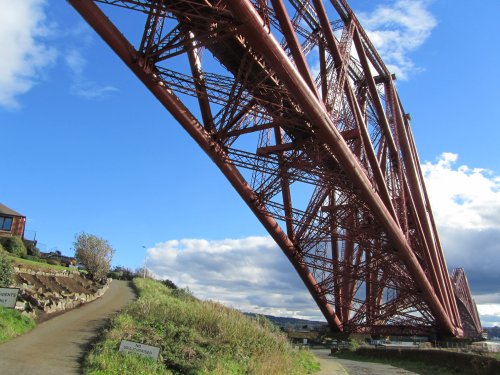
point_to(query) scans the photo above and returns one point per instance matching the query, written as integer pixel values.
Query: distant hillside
(294, 324)
(493, 332)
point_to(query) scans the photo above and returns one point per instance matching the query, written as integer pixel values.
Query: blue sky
(85, 147)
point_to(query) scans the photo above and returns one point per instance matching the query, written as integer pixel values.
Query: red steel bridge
(296, 108)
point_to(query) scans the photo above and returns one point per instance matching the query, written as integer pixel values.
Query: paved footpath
(338, 366)
(329, 365)
(56, 346)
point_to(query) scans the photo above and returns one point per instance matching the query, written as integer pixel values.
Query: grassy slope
(38, 265)
(13, 323)
(32, 263)
(196, 337)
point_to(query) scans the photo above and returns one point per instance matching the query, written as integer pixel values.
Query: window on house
(5, 223)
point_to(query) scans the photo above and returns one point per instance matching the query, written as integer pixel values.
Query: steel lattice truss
(466, 306)
(301, 115)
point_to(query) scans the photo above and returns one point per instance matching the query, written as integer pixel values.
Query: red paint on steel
(368, 220)
(251, 28)
(111, 35)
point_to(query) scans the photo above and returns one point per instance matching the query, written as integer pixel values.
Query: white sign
(141, 349)
(8, 297)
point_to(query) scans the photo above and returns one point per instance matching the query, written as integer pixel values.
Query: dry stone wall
(47, 292)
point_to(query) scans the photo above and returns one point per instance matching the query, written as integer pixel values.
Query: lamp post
(144, 266)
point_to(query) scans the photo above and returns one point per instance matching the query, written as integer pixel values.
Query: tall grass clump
(195, 337)
(13, 323)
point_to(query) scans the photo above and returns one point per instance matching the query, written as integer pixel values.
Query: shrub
(114, 275)
(14, 245)
(6, 271)
(121, 273)
(169, 284)
(95, 254)
(354, 344)
(33, 251)
(54, 262)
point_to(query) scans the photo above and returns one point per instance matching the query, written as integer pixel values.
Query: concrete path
(370, 368)
(56, 346)
(338, 366)
(329, 365)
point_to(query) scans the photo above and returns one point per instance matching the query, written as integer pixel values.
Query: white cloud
(466, 207)
(463, 197)
(250, 274)
(24, 52)
(398, 29)
(489, 314)
(489, 309)
(76, 62)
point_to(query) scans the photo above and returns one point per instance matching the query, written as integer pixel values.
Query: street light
(144, 266)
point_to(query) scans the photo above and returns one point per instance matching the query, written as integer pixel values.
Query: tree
(144, 273)
(94, 253)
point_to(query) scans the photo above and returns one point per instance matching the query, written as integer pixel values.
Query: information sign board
(8, 297)
(141, 349)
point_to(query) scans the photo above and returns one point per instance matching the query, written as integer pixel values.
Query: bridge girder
(324, 157)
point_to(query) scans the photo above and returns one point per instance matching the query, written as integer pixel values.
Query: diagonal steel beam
(263, 42)
(122, 47)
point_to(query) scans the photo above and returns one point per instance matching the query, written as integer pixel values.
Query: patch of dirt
(77, 284)
(60, 284)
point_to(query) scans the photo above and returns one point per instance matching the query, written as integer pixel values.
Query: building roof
(8, 211)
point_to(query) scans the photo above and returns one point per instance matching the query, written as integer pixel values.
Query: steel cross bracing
(466, 305)
(294, 105)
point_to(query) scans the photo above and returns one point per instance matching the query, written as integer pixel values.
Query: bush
(354, 344)
(169, 284)
(123, 273)
(54, 262)
(95, 254)
(33, 251)
(14, 245)
(6, 271)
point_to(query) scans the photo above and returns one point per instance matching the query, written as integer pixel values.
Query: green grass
(35, 264)
(494, 355)
(13, 323)
(414, 366)
(195, 337)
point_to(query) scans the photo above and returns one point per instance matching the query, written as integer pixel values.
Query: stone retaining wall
(45, 292)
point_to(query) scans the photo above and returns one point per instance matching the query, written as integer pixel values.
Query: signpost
(8, 297)
(141, 349)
